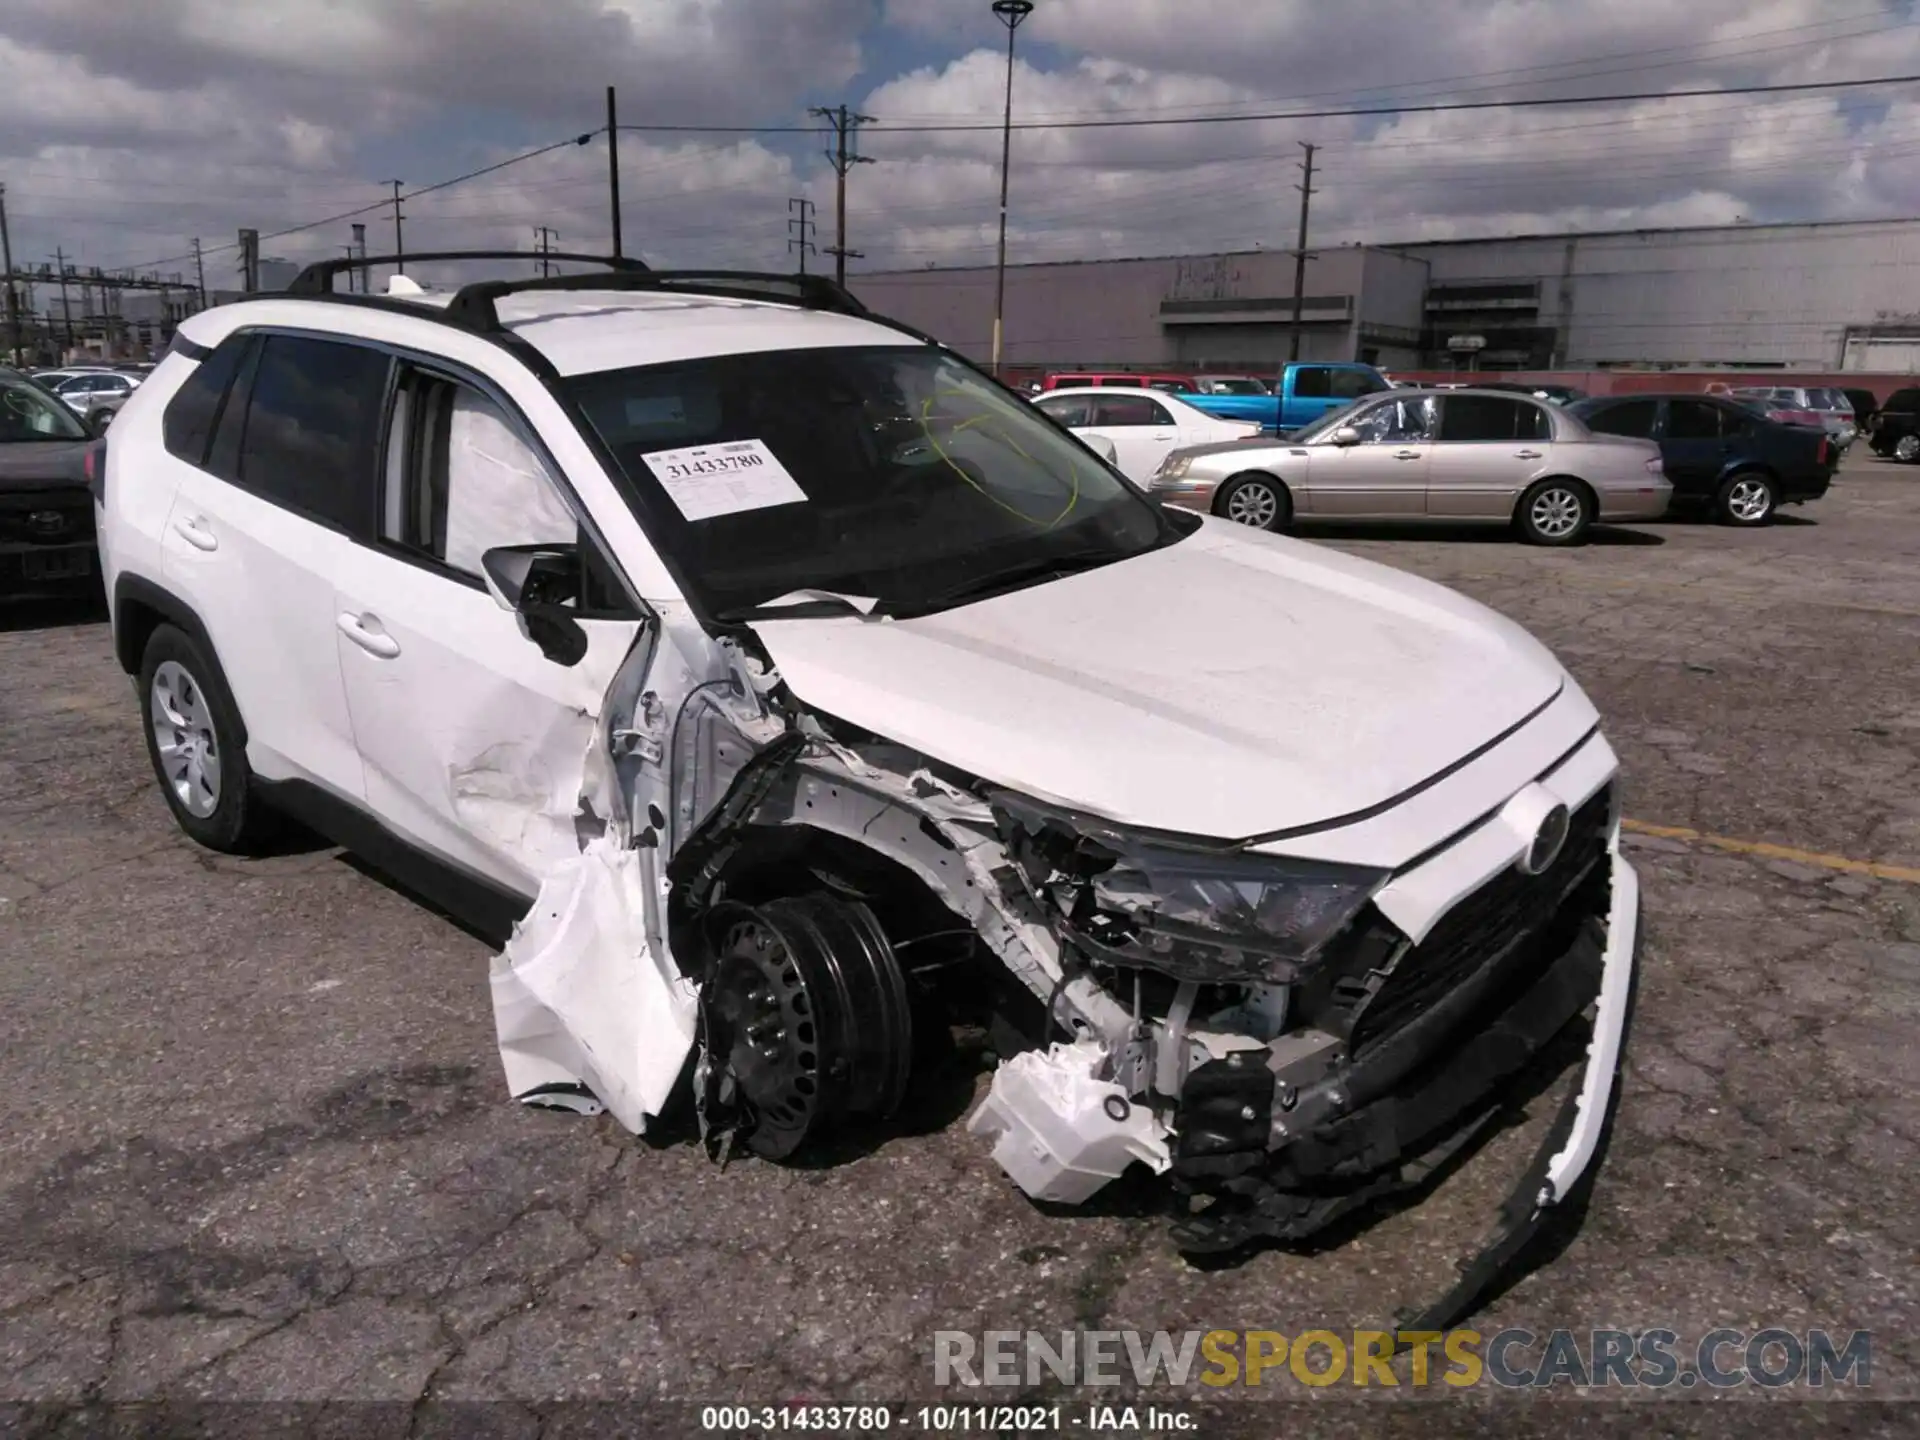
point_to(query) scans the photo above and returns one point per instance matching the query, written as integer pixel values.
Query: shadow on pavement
(52, 612)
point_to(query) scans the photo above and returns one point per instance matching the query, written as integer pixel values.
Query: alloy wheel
(1907, 447)
(183, 737)
(1253, 503)
(1749, 501)
(1555, 513)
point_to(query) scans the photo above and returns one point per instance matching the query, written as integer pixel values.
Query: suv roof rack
(474, 305)
(317, 279)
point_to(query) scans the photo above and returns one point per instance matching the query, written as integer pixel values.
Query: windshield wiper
(995, 582)
(807, 604)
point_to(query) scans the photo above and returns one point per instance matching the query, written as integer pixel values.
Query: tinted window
(1693, 420)
(312, 427)
(1069, 409)
(1631, 417)
(1129, 410)
(27, 414)
(1351, 384)
(1312, 382)
(1903, 400)
(189, 416)
(1490, 418)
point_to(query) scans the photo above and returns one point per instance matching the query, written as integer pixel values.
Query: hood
(1250, 446)
(42, 464)
(1229, 685)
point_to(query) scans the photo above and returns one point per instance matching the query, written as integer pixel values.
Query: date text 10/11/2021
(945, 1419)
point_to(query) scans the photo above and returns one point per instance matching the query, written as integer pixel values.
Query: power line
(1441, 108)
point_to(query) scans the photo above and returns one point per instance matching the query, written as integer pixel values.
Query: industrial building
(1813, 297)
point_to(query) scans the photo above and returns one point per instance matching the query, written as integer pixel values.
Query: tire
(1907, 448)
(1257, 500)
(1554, 512)
(1746, 499)
(183, 698)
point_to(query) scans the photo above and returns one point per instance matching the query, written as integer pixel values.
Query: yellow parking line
(1876, 868)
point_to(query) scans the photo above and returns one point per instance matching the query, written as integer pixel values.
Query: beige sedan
(1428, 454)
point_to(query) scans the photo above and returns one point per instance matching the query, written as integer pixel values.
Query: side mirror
(539, 582)
(1346, 435)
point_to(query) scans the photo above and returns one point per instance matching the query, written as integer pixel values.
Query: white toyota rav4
(784, 690)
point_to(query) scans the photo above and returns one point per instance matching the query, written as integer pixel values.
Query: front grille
(46, 517)
(1506, 916)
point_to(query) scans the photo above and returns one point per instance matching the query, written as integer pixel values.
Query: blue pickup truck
(1306, 390)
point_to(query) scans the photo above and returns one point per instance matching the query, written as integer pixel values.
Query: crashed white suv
(791, 690)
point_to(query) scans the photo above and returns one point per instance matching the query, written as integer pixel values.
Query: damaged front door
(474, 740)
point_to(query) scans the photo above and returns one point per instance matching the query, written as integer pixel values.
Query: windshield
(28, 413)
(892, 473)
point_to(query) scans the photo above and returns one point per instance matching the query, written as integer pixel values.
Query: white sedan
(1143, 426)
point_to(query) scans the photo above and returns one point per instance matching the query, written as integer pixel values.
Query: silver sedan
(1429, 454)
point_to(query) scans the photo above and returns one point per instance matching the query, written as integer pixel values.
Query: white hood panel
(1232, 684)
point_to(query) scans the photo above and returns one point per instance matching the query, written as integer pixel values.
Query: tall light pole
(1010, 13)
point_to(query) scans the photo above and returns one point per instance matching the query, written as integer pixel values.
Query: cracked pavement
(256, 1144)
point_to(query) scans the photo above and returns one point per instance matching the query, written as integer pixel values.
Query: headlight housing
(1174, 467)
(1229, 916)
(1191, 911)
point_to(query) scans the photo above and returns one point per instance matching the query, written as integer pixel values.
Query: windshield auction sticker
(710, 480)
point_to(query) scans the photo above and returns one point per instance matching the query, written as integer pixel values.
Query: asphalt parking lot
(256, 1143)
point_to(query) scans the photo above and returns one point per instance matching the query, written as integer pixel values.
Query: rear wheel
(193, 740)
(1907, 448)
(1257, 500)
(1746, 498)
(1554, 512)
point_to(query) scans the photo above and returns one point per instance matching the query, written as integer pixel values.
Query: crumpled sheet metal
(580, 998)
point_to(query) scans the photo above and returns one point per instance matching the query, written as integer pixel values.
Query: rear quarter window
(187, 422)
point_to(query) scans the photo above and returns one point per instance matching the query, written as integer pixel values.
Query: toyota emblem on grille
(1547, 841)
(46, 522)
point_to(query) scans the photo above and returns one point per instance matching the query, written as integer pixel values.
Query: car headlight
(1213, 915)
(1225, 916)
(1174, 467)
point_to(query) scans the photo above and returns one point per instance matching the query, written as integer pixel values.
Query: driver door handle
(1407, 454)
(365, 631)
(1526, 454)
(193, 529)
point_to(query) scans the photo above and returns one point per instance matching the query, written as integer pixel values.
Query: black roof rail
(317, 279)
(473, 305)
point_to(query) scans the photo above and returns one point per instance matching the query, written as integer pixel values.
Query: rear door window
(1633, 418)
(1136, 409)
(1491, 418)
(1694, 420)
(312, 429)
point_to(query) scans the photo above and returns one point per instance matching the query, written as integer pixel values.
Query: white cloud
(120, 142)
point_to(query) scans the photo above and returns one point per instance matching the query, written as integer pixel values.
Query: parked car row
(94, 392)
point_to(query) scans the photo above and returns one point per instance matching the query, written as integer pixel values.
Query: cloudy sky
(120, 141)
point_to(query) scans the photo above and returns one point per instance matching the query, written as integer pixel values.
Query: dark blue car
(1721, 454)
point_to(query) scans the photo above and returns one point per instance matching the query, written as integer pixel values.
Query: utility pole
(399, 250)
(360, 249)
(844, 124)
(1009, 13)
(66, 310)
(546, 246)
(799, 228)
(1300, 251)
(13, 296)
(250, 260)
(613, 171)
(200, 271)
